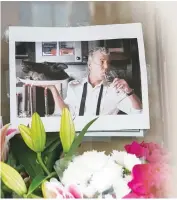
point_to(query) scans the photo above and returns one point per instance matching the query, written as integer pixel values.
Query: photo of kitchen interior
(64, 62)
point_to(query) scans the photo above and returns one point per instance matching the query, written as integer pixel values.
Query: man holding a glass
(94, 95)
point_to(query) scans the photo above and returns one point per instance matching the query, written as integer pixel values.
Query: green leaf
(61, 165)
(79, 138)
(25, 156)
(1, 194)
(52, 147)
(52, 153)
(11, 160)
(33, 196)
(5, 189)
(38, 133)
(50, 138)
(15, 196)
(36, 182)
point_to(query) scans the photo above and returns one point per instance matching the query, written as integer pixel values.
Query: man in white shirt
(92, 96)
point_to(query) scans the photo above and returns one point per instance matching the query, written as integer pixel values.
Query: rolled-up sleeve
(70, 100)
(126, 106)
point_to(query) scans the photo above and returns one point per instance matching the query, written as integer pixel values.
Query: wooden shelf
(119, 56)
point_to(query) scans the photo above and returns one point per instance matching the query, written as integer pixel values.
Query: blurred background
(160, 30)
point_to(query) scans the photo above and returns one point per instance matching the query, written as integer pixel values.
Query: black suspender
(83, 100)
(99, 100)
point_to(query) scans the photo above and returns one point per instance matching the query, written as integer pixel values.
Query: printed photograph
(91, 78)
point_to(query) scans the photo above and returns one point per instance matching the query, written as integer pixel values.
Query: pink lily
(55, 189)
(6, 135)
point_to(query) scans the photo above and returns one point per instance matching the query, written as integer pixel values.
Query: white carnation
(89, 191)
(92, 172)
(121, 188)
(106, 176)
(130, 161)
(128, 178)
(119, 156)
(126, 160)
(108, 196)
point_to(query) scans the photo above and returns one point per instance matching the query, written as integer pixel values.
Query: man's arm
(57, 98)
(69, 102)
(130, 103)
(136, 103)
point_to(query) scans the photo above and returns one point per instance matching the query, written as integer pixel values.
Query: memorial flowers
(42, 165)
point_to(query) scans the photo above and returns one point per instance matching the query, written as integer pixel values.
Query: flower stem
(35, 196)
(32, 196)
(39, 158)
(51, 175)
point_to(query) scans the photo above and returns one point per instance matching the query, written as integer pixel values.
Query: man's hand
(50, 87)
(121, 85)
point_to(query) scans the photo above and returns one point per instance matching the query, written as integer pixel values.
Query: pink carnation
(149, 181)
(133, 195)
(149, 151)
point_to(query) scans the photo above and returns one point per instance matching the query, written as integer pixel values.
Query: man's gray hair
(102, 50)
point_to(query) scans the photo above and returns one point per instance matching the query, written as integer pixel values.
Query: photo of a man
(99, 78)
(93, 95)
(94, 72)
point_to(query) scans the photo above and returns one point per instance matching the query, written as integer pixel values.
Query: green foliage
(62, 163)
(25, 156)
(36, 152)
(36, 182)
(79, 138)
(52, 151)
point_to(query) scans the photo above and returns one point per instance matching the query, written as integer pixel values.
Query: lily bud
(67, 130)
(26, 135)
(34, 137)
(38, 133)
(12, 179)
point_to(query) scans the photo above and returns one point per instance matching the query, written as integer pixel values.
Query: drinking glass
(110, 76)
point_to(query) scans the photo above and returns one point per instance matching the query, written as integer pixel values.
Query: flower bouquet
(44, 165)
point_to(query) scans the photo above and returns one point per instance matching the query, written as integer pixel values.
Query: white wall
(167, 60)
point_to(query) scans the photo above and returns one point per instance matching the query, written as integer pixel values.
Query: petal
(137, 149)
(11, 133)
(131, 195)
(75, 191)
(49, 190)
(3, 142)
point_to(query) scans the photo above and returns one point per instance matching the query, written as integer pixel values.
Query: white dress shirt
(111, 102)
